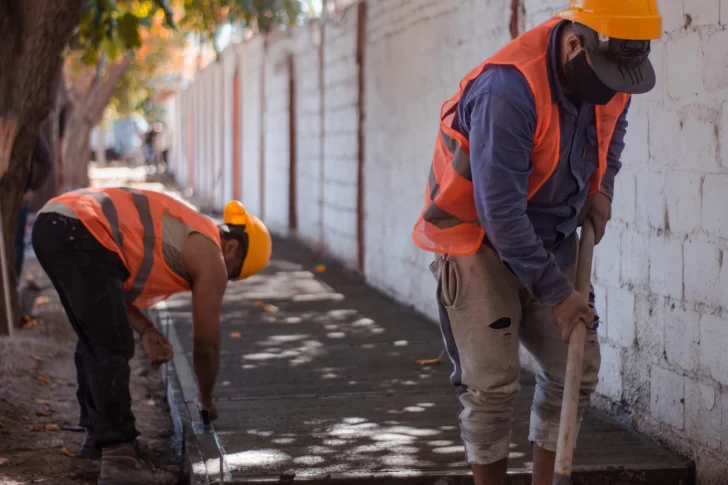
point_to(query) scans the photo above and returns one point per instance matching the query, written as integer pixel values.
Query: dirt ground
(37, 387)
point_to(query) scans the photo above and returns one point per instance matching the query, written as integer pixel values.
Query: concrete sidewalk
(319, 382)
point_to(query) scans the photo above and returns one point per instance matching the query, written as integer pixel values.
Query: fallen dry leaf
(44, 380)
(235, 334)
(432, 361)
(30, 322)
(42, 401)
(35, 357)
(270, 308)
(258, 304)
(45, 427)
(65, 451)
(41, 412)
(42, 299)
(321, 268)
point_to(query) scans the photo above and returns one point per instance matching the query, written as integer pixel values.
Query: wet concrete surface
(319, 381)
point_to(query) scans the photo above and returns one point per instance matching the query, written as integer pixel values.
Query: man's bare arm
(206, 268)
(155, 344)
(137, 320)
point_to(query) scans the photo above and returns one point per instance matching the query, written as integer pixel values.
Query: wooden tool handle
(567, 426)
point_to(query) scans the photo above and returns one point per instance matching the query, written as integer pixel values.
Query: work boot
(122, 465)
(88, 447)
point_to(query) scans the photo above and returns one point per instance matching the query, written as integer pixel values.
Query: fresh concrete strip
(202, 452)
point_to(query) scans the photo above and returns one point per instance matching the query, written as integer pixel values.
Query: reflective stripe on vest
(461, 163)
(109, 211)
(449, 223)
(141, 203)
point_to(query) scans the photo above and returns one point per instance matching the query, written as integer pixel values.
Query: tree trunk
(33, 33)
(52, 130)
(100, 154)
(76, 151)
(85, 110)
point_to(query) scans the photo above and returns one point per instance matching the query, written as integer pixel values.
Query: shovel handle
(567, 425)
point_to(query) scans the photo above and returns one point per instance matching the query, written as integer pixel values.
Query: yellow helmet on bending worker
(253, 233)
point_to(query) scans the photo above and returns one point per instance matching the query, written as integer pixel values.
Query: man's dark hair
(236, 232)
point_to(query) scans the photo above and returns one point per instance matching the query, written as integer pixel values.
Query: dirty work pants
(90, 282)
(485, 312)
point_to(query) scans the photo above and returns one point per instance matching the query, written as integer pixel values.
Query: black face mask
(584, 82)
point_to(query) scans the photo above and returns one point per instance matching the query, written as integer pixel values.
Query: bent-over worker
(527, 148)
(114, 251)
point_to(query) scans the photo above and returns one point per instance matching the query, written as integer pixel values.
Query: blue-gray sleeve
(501, 142)
(614, 154)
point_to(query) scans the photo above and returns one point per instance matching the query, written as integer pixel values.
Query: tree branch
(104, 92)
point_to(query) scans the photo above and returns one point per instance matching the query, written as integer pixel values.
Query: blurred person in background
(41, 166)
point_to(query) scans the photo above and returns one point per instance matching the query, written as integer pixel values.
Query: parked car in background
(108, 144)
(129, 133)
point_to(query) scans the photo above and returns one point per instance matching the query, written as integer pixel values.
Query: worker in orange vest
(528, 147)
(111, 253)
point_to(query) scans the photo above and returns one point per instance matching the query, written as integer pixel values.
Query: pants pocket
(449, 277)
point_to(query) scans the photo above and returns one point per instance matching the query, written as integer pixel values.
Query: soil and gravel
(37, 397)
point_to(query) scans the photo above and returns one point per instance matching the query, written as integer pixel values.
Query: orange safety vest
(129, 222)
(449, 222)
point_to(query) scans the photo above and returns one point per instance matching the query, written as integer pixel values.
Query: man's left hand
(598, 208)
(157, 346)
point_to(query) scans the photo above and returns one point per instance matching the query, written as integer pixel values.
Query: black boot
(122, 465)
(88, 447)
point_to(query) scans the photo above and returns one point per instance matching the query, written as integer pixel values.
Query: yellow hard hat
(620, 19)
(259, 241)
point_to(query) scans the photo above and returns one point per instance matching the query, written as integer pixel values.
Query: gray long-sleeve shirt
(535, 237)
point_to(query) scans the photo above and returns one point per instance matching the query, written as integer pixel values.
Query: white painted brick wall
(308, 134)
(610, 374)
(702, 272)
(340, 147)
(251, 58)
(659, 274)
(684, 67)
(635, 259)
(703, 416)
(666, 266)
(277, 135)
(229, 60)
(620, 320)
(713, 338)
(650, 317)
(681, 338)
(667, 397)
(715, 209)
(684, 205)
